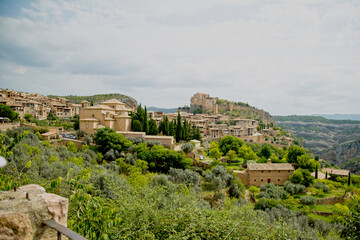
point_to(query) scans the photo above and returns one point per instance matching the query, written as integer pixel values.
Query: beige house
(339, 172)
(258, 174)
(111, 113)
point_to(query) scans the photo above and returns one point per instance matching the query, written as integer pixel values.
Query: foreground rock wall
(23, 212)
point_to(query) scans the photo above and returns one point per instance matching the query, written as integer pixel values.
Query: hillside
(355, 117)
(336, 141)
(164, 110)
(98, 98)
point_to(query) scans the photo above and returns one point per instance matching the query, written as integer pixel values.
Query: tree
(316, 172)
(294, 152)
(76, 122)
(187, 147)
(51, 117)
(153, 130)
(7, 111)
(266, 151)
(179, 132)
(215, 153)
(230, 143)
(145, 122)
(136, 126)
(107, 139)
(305, 162)
(349, 179)
(28, 117)
(301, 176)
(231, 156)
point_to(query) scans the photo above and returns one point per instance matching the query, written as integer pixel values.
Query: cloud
(296, 57)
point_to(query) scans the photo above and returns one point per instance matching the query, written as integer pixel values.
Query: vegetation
(98, 98)
(8, 112)
(131, 189)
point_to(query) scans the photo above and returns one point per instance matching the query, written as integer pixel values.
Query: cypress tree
(316, 172)
(153, 130)
(325, 175)
(349, 179)
(186, 131)
(145, 122)
(166, 126)
(178, 133)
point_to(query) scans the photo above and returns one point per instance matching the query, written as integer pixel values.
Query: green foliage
(215, 153)
(161, 159)
(270, 191)
(107, 139)
(266, 151)
(294, 152)
(322, 186)
(230, 143)
(301, 176)
(187, 147)
(7, 111)
(293, 188)
(28, 117)
(307, 200)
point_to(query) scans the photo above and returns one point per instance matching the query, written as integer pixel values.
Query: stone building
(111, 113)
(258, 174)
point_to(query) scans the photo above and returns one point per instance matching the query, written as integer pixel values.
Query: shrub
(271, 191)
(307, 200)
(186, 176)
(322, 186)
(187, 147)
(293, 188)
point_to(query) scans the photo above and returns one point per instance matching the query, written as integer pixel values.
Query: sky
(286, 57)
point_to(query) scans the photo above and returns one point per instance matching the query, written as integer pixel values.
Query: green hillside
(98, 98)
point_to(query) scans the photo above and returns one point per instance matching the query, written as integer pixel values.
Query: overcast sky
(286, 57)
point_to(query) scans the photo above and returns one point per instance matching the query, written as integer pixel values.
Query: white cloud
(292, 57)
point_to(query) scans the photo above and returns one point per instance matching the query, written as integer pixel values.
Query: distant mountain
(164, 110)
(340, 116)
(98, 98)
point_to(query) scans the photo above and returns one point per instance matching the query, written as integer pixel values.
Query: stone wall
(23, 212)
(5, 126)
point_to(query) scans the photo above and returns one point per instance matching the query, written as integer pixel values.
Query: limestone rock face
(58, 206)
(15, 226)
(16, 209)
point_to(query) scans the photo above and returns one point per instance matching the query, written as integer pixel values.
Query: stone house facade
(111, 113)
(258, 174)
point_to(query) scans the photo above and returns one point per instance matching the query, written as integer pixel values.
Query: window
(262, 171)
(262, 180)
(278, 180)
(279, 171)
(254, 180)
(269, 170)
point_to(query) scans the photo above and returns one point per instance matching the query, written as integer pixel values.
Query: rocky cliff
(342, 153)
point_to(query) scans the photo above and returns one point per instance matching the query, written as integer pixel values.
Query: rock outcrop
(23, 212)
(342, 153)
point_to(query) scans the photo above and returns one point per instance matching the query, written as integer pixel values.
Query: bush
(187, 147)
(307, 200)
(271, 191)
(293, 188)
(322, 186)
(186, 176)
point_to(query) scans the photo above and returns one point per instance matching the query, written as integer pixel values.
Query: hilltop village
(210, 116)
(125, 171)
